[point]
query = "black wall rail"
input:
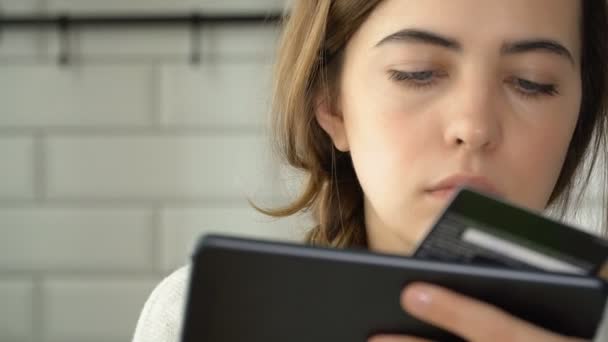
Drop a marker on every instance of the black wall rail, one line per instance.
(65, 23)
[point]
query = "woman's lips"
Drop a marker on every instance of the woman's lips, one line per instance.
(447, 187)
(443, 193)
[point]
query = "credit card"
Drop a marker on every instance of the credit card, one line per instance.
(477, 228)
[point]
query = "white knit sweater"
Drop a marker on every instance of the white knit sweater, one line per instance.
(161, 317)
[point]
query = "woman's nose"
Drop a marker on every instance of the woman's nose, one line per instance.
(473, 121)
(470, 136)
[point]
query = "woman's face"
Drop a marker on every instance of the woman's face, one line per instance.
(489, 89)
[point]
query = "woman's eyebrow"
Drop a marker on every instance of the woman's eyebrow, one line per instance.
(508, 48)
(530, 45)
(421, 36)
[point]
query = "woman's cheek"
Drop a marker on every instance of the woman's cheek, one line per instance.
(536, 160)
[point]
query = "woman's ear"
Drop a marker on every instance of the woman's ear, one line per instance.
(332, 122)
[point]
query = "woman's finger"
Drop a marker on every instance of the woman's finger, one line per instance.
(469, 318)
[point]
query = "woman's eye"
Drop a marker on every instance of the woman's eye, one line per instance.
(414, 78)
(533, 89)
(427, 78)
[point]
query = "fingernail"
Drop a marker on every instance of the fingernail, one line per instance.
(418, 299)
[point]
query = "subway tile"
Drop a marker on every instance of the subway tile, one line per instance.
(19, 45)
(74, 239)
(16, 322)
(157, 168)
(93, 309)
(75, 96)
(17, 172)
(19, 7)
(222, 94)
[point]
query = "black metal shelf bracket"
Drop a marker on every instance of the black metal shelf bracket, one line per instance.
(195, 36)
(65, 24)
(63, 29)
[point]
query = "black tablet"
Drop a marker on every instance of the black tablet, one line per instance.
(260, 291)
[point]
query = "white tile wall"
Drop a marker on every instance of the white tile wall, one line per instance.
(182, 227)
(20, 6)
(16, 314)
(20, 46)
(232, 94)
(114, 164)
(75, 239)
(208, 167)
(76, 96)
(17, 172)
(93, 308)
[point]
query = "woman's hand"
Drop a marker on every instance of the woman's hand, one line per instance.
(468, 318)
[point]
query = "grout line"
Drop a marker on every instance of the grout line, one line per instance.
(38, 308)
(48, 59)
(139, 131)
(40, 169)
(43, 36)
(39, 275)
(131, 203)
(156, 243)
(156, 95)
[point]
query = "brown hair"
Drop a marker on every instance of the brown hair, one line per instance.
(308, 64)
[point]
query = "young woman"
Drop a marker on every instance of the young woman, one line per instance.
(388, 105)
